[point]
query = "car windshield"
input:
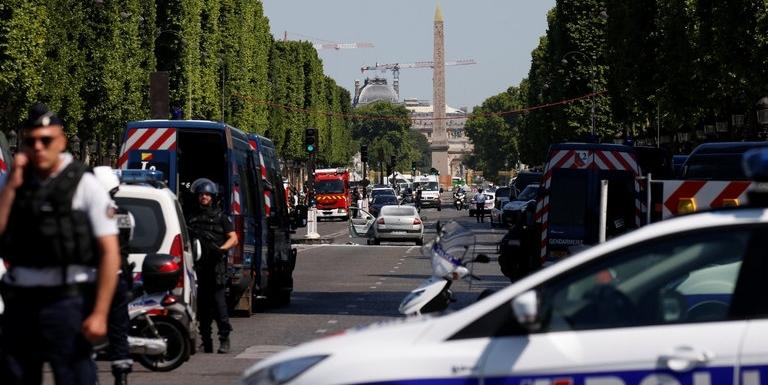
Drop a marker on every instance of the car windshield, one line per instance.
(528, 194)
(429, 186)
(329, 187)
(385, 200)
(398, 211)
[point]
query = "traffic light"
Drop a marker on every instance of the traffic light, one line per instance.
(310, 140)
(364, 153)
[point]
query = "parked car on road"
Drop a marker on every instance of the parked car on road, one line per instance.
(398, 223)
(511, 210)
(381, 201)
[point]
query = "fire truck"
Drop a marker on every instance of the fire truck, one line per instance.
(332, 195)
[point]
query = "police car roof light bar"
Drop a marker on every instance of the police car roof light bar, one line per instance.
(152, 177)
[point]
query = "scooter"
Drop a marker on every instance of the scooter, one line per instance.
(158, 337)
(460, 201)
(446, 254)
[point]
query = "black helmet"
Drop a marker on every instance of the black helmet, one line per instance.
(204, 185)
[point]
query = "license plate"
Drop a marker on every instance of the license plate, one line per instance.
(398, 232)
(327, 212)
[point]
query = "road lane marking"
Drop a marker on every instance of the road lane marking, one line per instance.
(260, 352)
(373, 287)
(378, 283)
(321, 331)
(333, 321)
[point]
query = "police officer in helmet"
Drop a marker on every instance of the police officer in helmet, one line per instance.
(217, 236)
(59, 239)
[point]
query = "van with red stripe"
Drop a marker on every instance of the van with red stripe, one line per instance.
(569, 200)
(185, 150)
(712, 177)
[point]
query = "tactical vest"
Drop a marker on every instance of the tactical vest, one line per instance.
(206, 224)
(44, 230)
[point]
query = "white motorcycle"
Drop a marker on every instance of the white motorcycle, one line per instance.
(447, 253)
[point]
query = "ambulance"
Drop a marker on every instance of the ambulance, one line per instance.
(678, 302)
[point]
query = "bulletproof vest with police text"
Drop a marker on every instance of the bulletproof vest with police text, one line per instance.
(43, 229)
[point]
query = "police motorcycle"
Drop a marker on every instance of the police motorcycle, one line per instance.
(157, 338)
(446, 253)
(460, 199)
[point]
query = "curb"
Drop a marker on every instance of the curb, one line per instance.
(311, 241)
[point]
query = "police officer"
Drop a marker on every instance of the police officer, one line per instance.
(418, 198)
(60, 243)
(216, 234)
(480, 205)
(118, 351)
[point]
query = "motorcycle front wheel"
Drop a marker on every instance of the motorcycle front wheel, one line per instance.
(178, 347)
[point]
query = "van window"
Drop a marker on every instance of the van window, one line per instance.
(714, 167)
(567, 197)
(191, 165)
(246, 181)
(149, 231)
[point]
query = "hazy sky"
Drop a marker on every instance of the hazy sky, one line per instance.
(498, 34)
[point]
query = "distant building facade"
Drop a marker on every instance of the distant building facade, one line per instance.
(377, 89)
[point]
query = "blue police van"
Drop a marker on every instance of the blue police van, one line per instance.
(261, 266)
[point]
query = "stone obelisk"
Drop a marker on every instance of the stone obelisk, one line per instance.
(439, 144)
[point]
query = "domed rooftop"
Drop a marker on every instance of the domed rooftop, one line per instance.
(376, 90)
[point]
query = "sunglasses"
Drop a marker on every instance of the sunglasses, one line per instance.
(30, 141)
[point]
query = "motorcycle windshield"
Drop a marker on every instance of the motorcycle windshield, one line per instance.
(448, 250)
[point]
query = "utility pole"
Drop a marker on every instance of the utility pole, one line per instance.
(310, 145)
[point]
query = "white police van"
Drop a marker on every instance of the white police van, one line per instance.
(679, 302)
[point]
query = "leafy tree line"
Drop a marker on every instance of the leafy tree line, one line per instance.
(662, 67)
(91, 61)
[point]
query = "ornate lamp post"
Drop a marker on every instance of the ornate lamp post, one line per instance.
(762, 116)
(13, 141)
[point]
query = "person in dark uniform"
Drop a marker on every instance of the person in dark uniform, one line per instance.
(118, 350)
(59, 239)
(217, 236)
(418, 199)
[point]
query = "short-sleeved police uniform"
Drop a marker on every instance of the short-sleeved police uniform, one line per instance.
(45, 306)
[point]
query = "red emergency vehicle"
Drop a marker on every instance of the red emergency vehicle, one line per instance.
(332, 195)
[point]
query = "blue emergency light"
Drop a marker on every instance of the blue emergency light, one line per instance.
(755, 164)
(140, 176)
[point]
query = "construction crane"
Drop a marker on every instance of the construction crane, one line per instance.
(396, 67)
(326, 44)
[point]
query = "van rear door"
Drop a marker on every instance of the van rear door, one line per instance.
(150, 149)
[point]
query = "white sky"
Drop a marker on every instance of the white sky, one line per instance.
(498, 34)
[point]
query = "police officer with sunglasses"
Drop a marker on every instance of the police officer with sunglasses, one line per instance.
(59, 238)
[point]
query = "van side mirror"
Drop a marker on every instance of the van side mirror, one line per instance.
(526, 309)
(481, 258)
(441, 190)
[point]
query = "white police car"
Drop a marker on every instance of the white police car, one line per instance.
(678, 302)
(160, 226)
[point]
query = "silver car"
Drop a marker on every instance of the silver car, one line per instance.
(398, 223)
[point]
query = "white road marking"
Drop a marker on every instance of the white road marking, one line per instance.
(333, 321)
(396, 267)
(373, 287)
(260, 352)
(391, 271)
(411, 249)
(378, 283)
(321, 331)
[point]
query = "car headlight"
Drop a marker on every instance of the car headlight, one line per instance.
(282, 372)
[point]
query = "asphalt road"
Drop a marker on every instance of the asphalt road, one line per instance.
(337, 286)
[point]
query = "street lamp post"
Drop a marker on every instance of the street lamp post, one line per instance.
(189, 82)
(762, 116)
(592, 82)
